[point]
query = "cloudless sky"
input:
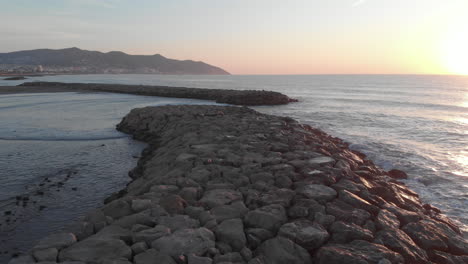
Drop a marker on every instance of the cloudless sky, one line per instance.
(254, 36)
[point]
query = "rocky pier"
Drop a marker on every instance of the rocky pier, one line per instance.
(223, 184)
(234, 97)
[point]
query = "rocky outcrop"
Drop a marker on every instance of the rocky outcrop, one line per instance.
(234, 97)
(231, 185)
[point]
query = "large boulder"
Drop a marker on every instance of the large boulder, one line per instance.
(307, 234)
(152, 256)
(96, 250)
(398, 241)
(232, 232)
(344, 232)
(149, 235)
(218, 197)
(280, 250)
(270, 217)
(58, 241)
(386, 219)
(357, 252)
(317, 192)
(185, 241)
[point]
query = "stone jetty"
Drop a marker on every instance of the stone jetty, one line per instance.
(234, 97)
(224, 184)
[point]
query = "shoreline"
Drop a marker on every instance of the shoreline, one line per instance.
(228, 184)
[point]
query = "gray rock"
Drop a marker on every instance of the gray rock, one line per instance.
(137, 228)
(446, 258)
(190, 194)
(177, 222)
(117, 209)
(193, 259)
(193, 211)
(234, 210)
(96, 250)
(317, 192)
(356, 252)
(270, 217)
(232, 232)
(282, 197)
(356, 201)
(24, 259)
(113, 232)
(152, 256)
(173, 204)
(49, 254)
(149, 235)
(398, 241)
(307, 234)
(185, 241)
(139, 247)
(134, 219)
(139, 205)
(232, 257)
(256, 236)
(246, 253)
(324, 219)
(114, 261)
(281, 250)
(58, 241)
(218, 197)
(320, 162)
(386, 219)
(344, 232)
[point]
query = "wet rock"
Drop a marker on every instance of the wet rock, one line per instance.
(320, 161)
(345, 212)
(185, 241)
(232, 232)
(344, 232)
(398, 241)
(305, 233)
(152, 256)
(270, 217)
(281, 250)
(218, 197)
(397, 174)
(356, 252)
(96, 250)
(317, 192)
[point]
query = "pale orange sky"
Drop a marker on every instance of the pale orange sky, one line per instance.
(255, 36)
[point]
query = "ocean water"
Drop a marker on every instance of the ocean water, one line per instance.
(415, 123)
(60, 157)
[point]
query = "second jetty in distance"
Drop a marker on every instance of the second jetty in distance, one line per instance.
(235, 97)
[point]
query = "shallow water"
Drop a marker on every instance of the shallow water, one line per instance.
(60, 156)
(415, 123)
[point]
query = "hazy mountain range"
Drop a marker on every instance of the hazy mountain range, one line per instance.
(75, 60)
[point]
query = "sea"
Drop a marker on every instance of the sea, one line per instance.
(62, 152)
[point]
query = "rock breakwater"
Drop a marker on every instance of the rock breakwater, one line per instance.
(235, 97)
(230, 185)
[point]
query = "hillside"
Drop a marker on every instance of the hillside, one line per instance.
(74, 60)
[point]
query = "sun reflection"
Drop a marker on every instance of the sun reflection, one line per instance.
(462, 160)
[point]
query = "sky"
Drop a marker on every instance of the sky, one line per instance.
(255, 36)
